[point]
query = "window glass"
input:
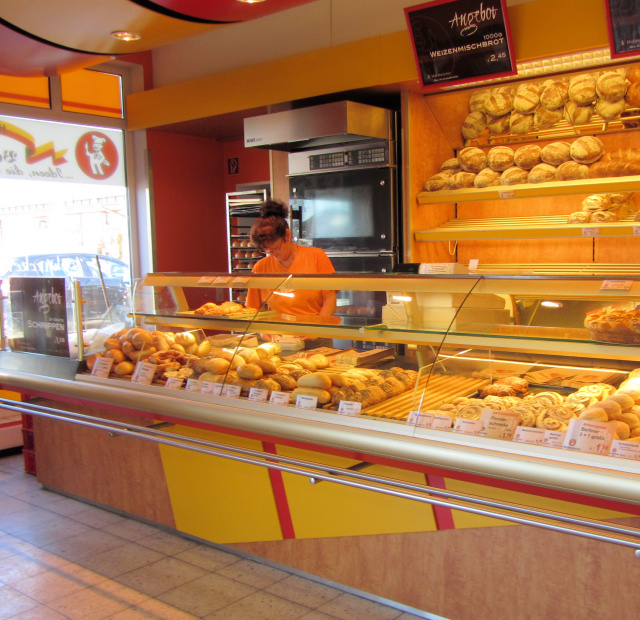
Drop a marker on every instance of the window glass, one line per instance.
(33, 92)
(92, 92)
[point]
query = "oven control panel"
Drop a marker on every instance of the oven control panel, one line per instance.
(370, 156)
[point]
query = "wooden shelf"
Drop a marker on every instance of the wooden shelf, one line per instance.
(535, 227)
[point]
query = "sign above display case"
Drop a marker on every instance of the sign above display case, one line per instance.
(623, 24)
(460, 41)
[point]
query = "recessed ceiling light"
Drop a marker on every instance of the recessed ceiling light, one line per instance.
(124, 35)
(250, 1)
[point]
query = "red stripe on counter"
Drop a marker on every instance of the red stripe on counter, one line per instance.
(280, 495)
(442, 514)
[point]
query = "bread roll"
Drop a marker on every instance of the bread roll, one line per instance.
(472, 159)
(604, 216)
(633, 95)
(473, 125)
(582, 89)
(608, 110)
(321, 361)
(576, 114)
(461, 180)
(267, 365)
(249, 371)
(556, 153)
(613, 168)
(498, 124)
(611, 86)
(596, 202)
(437, 182)
(544, 117)
(306, 363)
(477, 99)
(542, 173)
(627, 154)
(498, 104)
(323, 396)
(586, 150)
(633, 73)
(451, 165)
(617, 198)
(217, 365)
(268, 384)
(594, 414)
(487, 178)
(579, 217)
(513, 176)
(528, 156)
(520, 123)
(316, 380)
(286, 382)
(527, 99)
(500, 158)
(554, 94)
(572, 170)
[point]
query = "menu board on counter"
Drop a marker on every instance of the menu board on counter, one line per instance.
(623, 24)
(39, 316)
(461, 41)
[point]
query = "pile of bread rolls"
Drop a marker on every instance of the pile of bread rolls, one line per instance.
(602, 208)
(226, 308)
(614, 325)
(535, 106)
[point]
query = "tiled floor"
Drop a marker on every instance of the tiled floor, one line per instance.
(61, 558)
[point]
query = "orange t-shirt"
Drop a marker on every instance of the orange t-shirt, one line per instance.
(307, 260)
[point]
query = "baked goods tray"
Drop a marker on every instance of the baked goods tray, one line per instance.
(248, 315)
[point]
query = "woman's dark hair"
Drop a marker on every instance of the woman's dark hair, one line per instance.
(271, 225)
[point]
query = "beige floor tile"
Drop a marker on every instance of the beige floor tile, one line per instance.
(10, 504)
(66, 506)
(85, 544)
(13, 602)
(51, 531)
(39, 497)
(299, 590)
(253, 574)
(350, 607)
(152, 609)
(41, 612)
(56, 583)
(260, 606)
(161, 576)
(167, 543)
(21, 519)
(97, 602)
(10, 545)
(121, 559)
(131, 529)
(30, 562)
(206, 557)
(317, 615)
(96, 517)
(206, 595)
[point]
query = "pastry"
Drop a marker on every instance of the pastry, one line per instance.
(586, 150)
(528, 156)
(527, 99)
(556, 153)
(582, 89)
(469, 412)
(559, 412)
(621, 429)
(496, 389)
(599, 390)
(594, 414)
(611, 86)
(486, 178)
(473, 125)
(472, 159)
(576, 114)
(500, 158)
(513, 176)
(550, 424)
(520, 385)
(542, 173)
(547, 399)
(572, 170)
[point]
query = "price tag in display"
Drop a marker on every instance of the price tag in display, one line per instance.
(554, 439)
(441, 422)
(102, 367)
(527, 434)
(206, 280)
(193, 385)
(258, 395)
(306, 402)
(617, 285)
(232, 391)
(421, 420)
(350, 408)
(625, 450)
(468, 427)
(207, 387)
(240, 280)
(279, 398)
(506, 193)
(499, 424)
(636, 230)
(588, 436)
(222, 280)
(174, 383)
(143, 373)
(590, 231)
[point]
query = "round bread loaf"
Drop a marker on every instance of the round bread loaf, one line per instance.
(507, 89)
(586, 150)
(528, 156)
(618, 198)
(571, 171)
(477, 99)
(500, 158)
(316, 380)
(513, 176)
(576, 114)
(608, 110)
(604, 216)
(554, 94)
(460, 180)
(633, 95)
(611, 86)
(498, 124)
(544, 117)
(520, 123)
(542, 173)
(633, 73)
(579, 217)
(582, 89)
(437, 181)
(556, 153)
(596, 202)
(472, 159)
(498, 104)
(473, 125)
(487, 177)
(450, 165)
(527, 99)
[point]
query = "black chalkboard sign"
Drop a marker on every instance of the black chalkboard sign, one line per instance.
(623, 23)
(39, 312)
(460, 41)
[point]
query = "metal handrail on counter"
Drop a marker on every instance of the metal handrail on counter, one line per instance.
(555, 521)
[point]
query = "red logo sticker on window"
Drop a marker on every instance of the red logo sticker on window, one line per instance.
(97, 155)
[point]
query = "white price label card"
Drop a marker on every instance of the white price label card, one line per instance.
(554, 439)
(174, 383)
(207, 387)
(258, 395)
(349, 407)
(240, 280)
(193, 385)
(222, 280)
(102, 367)
(441, 422)
(506, 193)
(530, 435)
(625, 450)
(473, 264)
(232, 391)
(143, 373)
(306, 402)
(218, 389)
(468, 427)
(279, 398)
(636, 230)
(499, 424)
(617, 285)
(588, 436)
(421, 420)
(590, 231)
(206, 280)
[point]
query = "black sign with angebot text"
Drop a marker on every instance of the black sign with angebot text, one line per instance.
(460, 41)
(623, 23)
(38, 306)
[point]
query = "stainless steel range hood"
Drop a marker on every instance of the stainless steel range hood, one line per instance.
(341, 122)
